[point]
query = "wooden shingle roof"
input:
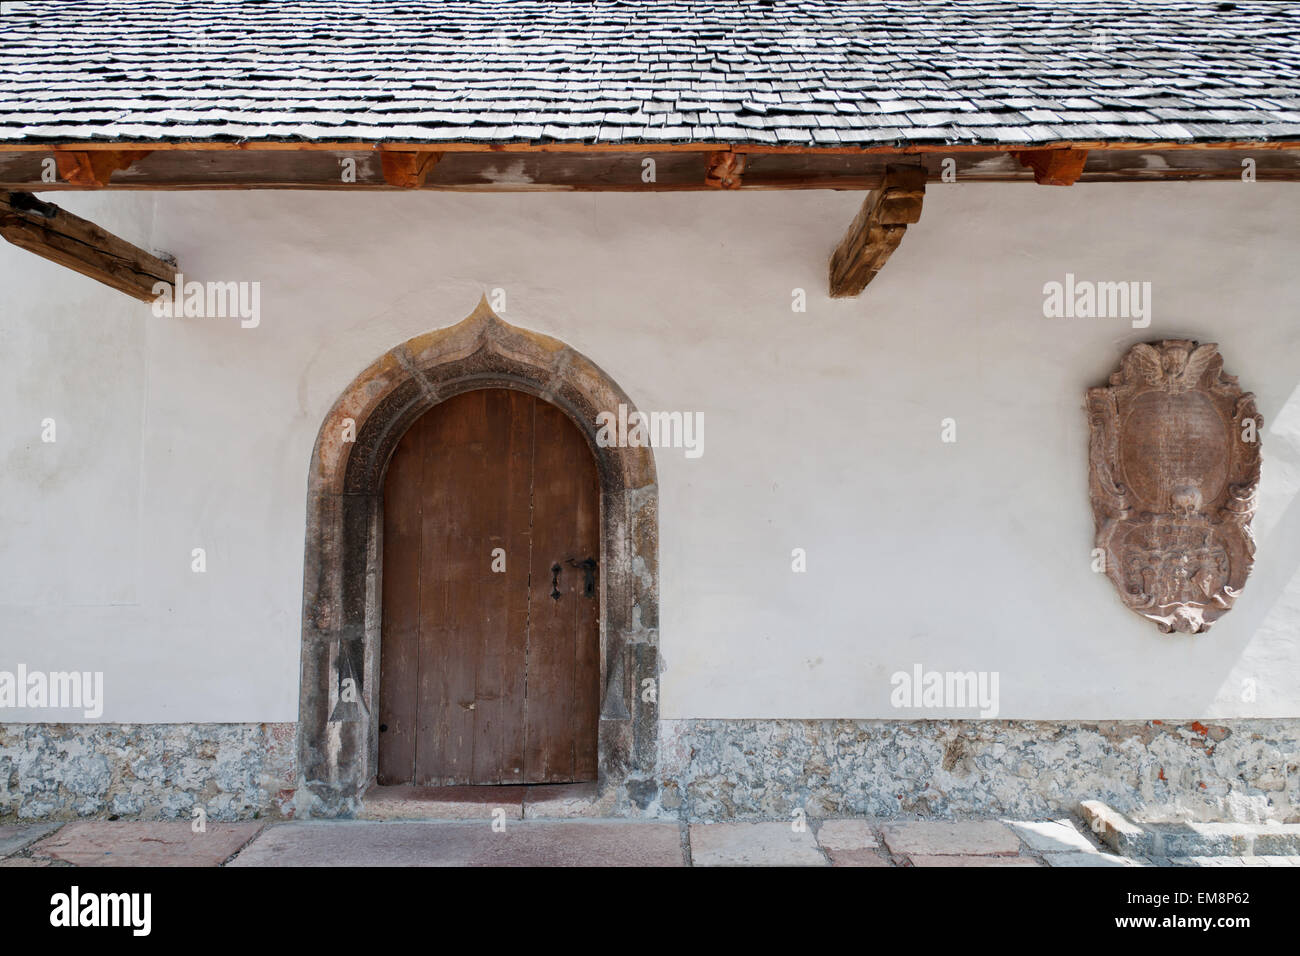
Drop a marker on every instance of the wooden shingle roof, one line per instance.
(817, 73)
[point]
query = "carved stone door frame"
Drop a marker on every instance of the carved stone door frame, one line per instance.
(338, 700)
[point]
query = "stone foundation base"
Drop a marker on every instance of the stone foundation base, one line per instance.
(146, 771)
(1235, 770)
(1244, 771)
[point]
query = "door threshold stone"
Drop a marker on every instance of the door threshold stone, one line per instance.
(568, 800)
(534, 802)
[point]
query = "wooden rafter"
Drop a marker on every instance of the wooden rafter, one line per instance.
(724, 170)
(407, 170)
(1054, 167)
(94, 168)
(877, 230)
(58, 235)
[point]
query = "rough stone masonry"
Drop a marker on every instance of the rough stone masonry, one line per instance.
(1245, 771)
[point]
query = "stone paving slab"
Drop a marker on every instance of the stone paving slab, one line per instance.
(931, 860)
(1233, 861)
(941, 838)
(603, 842)
(1094, 858)
(465, 843)
(753, 844)
(163, 843)
(1052, 836)
(858, 858)
(847, 835)
(13, 838)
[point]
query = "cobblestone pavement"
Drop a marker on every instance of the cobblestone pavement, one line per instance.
(597, 842)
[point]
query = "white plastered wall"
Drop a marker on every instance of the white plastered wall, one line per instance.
(822, 432)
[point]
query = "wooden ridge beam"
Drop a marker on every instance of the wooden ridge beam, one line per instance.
(55, 234)
(1054, 167)
(877, 230)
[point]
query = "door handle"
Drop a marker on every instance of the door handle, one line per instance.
(588, 575)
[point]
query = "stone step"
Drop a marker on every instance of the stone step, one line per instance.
(1185, 840)
(540, 802)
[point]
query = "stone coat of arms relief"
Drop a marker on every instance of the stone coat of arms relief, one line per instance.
(1174, 469)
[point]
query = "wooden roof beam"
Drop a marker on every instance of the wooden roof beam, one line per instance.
(517, 146)
(877, 230)
(33, 171)
(55, 234)
(1054, 167)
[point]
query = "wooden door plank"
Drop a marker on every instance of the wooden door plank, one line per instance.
(401, 612)
(551, 617)
(502, 521)
(586, 633)
(564, 483)
(448, 646)
(518, 557)
(483, 506)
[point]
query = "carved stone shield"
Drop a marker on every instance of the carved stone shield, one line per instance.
(1174, 462)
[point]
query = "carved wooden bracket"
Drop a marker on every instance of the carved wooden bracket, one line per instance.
(94, 167)
(1174, 468)
(877, 230)
(724, 170)
(1054, 167)
(407, 169)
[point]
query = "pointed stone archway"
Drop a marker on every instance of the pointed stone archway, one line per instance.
(338, 700)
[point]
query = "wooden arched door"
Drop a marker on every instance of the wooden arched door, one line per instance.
(490, 649)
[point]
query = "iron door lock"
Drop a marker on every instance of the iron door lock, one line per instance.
(588, 566)
(588, 575)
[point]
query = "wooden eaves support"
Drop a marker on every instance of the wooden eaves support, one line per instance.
(82, 246)
(1054, 167)
(407, 169)
(497, 167)
(895, 200)
(877, 230)
(896, 204)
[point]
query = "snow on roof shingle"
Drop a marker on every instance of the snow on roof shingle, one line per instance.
(798, 72)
